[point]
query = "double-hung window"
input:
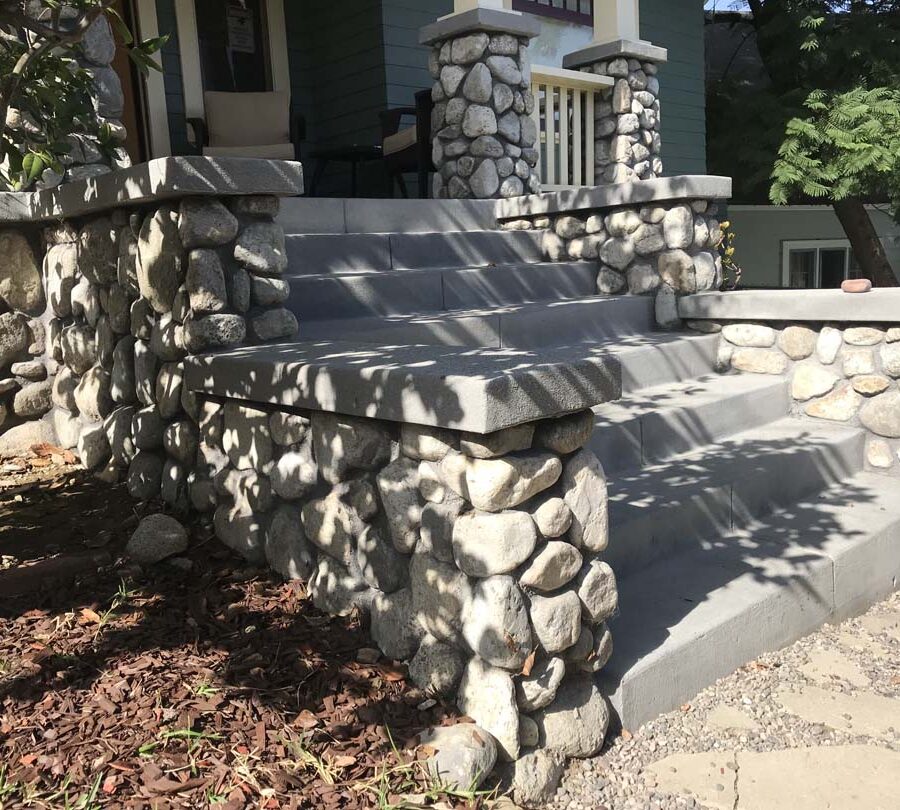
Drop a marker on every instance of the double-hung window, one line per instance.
(817, 263)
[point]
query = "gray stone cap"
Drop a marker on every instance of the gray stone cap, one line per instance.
(603, 51)
(639, 192)
(877, 306)
(479, 390)
(492, 20)
(160, 179)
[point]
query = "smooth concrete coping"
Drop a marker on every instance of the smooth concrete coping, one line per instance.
(613, 195)
(478, 390)
(492, 20)
(877, 306)
(603, 51)
(159, 179)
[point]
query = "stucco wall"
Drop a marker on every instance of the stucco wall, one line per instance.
(761, 230)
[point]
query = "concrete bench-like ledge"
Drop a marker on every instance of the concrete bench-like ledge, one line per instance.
(478, 390)
(160, 179)
(640, 192)
(877, 306)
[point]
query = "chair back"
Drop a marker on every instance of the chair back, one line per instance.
(248, 119)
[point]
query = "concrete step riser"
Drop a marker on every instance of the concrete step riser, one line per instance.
(669, 362)
(567, 323)
(640, 537)
(413, 291)
(662, 434)
(304, 215)
(354, 252)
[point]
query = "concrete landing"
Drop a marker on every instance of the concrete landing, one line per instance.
(479, 390)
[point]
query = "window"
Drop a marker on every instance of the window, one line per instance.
(233, 45)
(817, 264)
(577, 11)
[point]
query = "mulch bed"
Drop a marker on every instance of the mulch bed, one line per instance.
(199, 683)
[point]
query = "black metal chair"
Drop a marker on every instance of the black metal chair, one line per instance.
(407, 149)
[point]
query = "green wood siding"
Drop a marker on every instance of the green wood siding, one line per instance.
(405, 61)
(678, 26)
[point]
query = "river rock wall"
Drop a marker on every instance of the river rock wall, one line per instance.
(102, 312)
(477, 557)
(845, 373)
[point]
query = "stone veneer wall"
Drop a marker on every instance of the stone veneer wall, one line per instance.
(627, 122)
(483, 133)
(666, 249)
(839, 372)
(477, 556)
(105, 309)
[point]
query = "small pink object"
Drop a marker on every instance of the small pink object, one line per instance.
(856, 285)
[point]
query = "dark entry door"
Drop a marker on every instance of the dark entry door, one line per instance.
(233, 46)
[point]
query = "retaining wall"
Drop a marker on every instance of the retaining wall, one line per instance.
(660, 237)
(840, 351)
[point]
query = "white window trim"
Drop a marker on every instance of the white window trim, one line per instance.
(811, 244)
(189, 46)
(157, 111)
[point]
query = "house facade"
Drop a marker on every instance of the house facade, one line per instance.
(343, 63)
(346, 61)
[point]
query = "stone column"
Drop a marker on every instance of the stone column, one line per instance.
(483, 135)
(628, 142)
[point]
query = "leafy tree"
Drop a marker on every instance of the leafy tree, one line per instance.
(45, 95)
(832, 66)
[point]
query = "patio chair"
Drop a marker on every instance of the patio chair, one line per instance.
(248, 125)
(407, 148)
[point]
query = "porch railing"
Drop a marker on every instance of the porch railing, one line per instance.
(564, 115)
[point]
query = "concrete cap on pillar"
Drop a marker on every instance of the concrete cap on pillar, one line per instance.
(496, 20)
(628, 48)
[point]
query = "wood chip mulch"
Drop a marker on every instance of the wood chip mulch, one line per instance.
(197, 683)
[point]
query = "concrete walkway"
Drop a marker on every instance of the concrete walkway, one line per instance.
(815, 726)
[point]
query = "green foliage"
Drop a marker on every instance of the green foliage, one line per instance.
(42, 82)
(847, 145)
(807, 47)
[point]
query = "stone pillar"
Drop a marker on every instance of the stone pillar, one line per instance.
(483, 135)
(628, 141)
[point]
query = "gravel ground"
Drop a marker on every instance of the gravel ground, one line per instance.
(858, 658)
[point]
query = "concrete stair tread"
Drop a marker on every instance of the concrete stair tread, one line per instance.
(409, 271)
(697, 616)
(591, 320)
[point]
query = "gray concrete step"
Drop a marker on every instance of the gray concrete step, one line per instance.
(698, 616)
(665, 508)
(531, 325)
(662, 421)
(402, 292)
(340, 253)
(323, 215)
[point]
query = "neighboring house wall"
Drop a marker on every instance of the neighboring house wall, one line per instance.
(761, 231)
